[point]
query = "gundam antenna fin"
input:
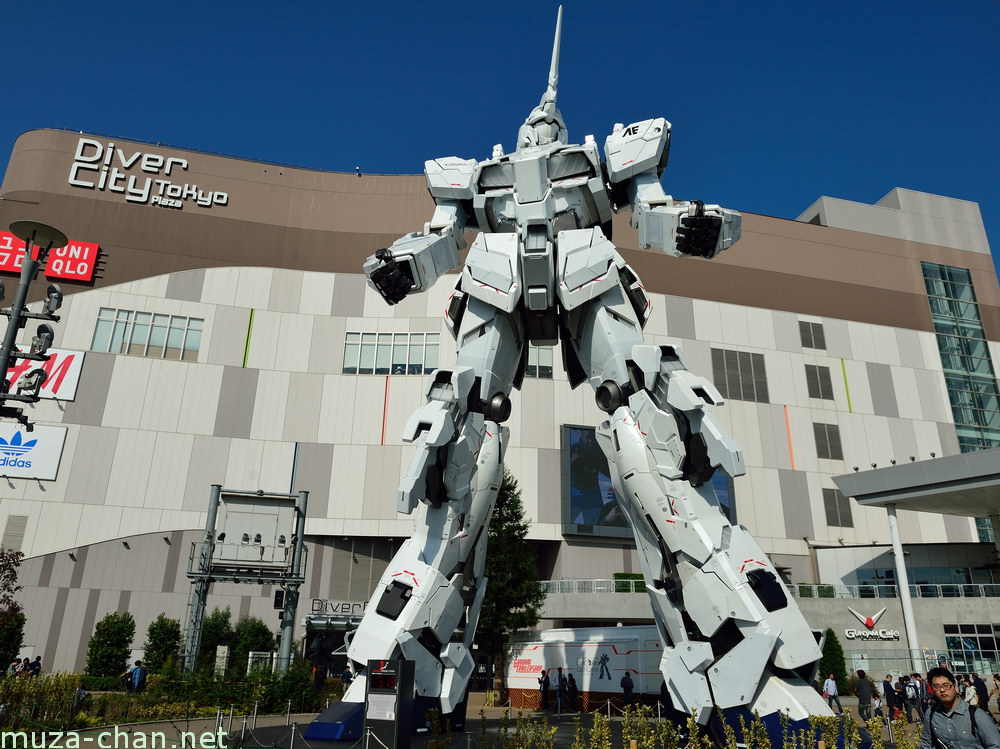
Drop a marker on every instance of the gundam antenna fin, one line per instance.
(550, 93)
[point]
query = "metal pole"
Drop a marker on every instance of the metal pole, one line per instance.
(609, 708)
(29, 267)
(292, 589)
(255, 715)
(229, 726)
(288, 712)
(291, 743)
(902, 580)
(199, 591)
(243, 730)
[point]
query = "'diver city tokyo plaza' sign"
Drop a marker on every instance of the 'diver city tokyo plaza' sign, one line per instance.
(140, 177)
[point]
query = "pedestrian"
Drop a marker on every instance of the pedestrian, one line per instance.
(25, 668)
(346, 677)
(830, 692)
(911, 692)
(877, 707)
(996, 689)
(13, 667)
(889, 693)
(36, 666)
(573, 693)
(543, 687)
(560, 689)
(953, 723)
(983, 691)
(864, 692)
(627, 687)
(971, 693)
(136, 678)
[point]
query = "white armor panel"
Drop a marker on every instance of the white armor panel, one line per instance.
(587, 266)
(640, 147)
(491, 271)
(451, 177)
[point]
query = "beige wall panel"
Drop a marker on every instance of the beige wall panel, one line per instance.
(209, 458)
(202, 387)
(347, 481)
(367, 430)
(92, 464)
(286, 290)
(164, 399)
(264, 340)
(735, 329)
(708, 321)
(316, 294)
(302, 408)
(169, 471)
(269, 405)
(253, 289)
(760, 324)
(326, 352)
(340, 399)
(127, 392)
(133, 458)
(294, 342)
(857, 381)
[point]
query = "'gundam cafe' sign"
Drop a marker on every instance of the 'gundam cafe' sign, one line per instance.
(140, 177)
(74, 262)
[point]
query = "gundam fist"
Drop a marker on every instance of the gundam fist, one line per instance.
(390, 278)
(698, 233)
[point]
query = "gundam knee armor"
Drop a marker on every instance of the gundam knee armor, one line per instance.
(427, 603)
(732, 635)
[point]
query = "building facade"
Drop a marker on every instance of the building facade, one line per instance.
(227, 336)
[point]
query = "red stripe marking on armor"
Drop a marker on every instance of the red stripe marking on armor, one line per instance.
(670, 521)
(628, 162)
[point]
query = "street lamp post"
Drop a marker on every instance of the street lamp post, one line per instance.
(45, 238)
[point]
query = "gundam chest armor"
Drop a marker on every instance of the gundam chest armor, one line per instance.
(543, 269)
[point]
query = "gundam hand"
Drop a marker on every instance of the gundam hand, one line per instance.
(391, 279)
(698, 233)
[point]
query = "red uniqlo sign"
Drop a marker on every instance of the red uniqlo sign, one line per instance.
(75, 261)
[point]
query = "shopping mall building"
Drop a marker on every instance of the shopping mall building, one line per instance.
(217, 329)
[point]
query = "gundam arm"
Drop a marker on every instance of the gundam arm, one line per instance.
(635, 158)
(414, 262)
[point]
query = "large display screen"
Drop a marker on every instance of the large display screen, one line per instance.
(590, 506)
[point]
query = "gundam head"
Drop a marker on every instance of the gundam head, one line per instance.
(545, 123)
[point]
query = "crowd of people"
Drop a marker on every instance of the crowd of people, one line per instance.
(567, 692)
(955, 712)
(26, 668)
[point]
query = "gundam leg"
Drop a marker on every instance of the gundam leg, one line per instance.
(426, 606)
(732, 635)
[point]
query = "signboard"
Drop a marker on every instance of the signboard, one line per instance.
(870, 633)
(341, 608)
(140, 177)
(597, 665)
(63, 368)
(30, 455)
(75, 262)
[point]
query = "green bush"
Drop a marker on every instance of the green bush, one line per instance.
(625, 582)
(163, 642)
(11, 636)
(110, 646)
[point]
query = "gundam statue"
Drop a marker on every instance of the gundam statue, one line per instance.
(543, 269)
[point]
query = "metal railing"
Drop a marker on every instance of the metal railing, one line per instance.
(798, 590)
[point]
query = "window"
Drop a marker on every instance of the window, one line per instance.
(122, 331)
(818, 382)
(812, 335)
(391, 353)
(539, 362)
(838, 509)
(965, 356)
(828, 441)
(740, 375)
(723, 486)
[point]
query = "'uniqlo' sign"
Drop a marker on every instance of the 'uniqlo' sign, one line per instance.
(75, 261)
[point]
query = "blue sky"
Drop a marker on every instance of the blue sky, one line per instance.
(772, 104)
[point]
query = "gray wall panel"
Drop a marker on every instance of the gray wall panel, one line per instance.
(910, 352)
(838, 339)
(932, 404)
(229, 335)
(302, 407)
(92, 392)
(949, 439)
(348, 296)
(680, 317)
(87, 627)
(45, 575)
(209, 457)
(327, 353)
(904, 439)
(124, 599)
(55, 628)
(549, 486)
(795, 504)
(312, 474)
(786, 332)
(957, 529)
(234, 416)
(286, 290)
(92, 462)
(173, 557)
(799, 566)
(317, 554)
(381, 481)
(186, 286)
(79, 566)
(882, 389)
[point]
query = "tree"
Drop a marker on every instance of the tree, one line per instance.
(216, 630)
(110, 646)
(832, 661)
(163, 642)
(513, 597)
(11, 614)
(250, 633)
